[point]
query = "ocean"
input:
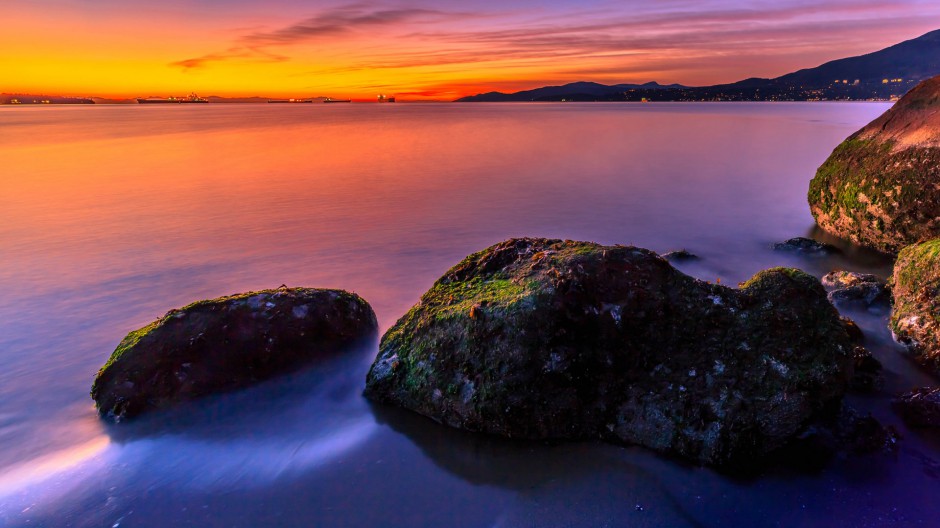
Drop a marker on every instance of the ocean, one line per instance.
(112, 215)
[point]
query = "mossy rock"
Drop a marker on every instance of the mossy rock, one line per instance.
(550, 339)
(915, 320)
(880, 188)
(223, 344)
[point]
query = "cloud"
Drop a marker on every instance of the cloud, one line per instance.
(337, 22)
(330, 24)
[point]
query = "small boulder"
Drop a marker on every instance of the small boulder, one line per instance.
(920, 407)
(680, 255)
(805, 245)
(848, 287)
(227, 343)
(542, 339)
(915, 319)
(839, 279)
(878, 187)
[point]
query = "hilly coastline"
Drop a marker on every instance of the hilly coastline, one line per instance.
(882, 75)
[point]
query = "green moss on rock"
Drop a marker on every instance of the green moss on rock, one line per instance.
(536, 338)
(223, 344)
(915, 320)
(879, 188)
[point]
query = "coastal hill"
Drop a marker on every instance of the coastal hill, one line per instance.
(884, 74)
(915, 60)
(576, 91)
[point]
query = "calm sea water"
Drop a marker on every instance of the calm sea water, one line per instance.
(110, 216)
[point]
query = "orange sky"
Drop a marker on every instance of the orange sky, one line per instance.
(426, 50)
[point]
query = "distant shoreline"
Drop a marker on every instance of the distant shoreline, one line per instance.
(34, 105)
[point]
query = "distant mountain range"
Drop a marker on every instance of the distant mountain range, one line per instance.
(884, 74)
(574, 91)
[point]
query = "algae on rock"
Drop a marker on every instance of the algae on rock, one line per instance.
(915, 320)
(880, 188)
(223, 344)
(541, 339)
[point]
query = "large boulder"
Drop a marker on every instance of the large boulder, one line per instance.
(915, 320)
(543, 339)
(223, 344)
(881, 187)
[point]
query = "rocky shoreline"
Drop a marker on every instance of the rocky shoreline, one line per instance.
(881, 189)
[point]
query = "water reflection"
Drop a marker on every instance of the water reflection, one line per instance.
(111, 216)
(248, 439)
(31, 472)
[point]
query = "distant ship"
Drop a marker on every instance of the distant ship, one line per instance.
(193, 98)
(290, 100)
(331, 100)
(386, 98)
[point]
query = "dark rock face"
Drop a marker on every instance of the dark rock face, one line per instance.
(539, 339)
(867, 372)
(852, 328)
(847, 432)
(227, 343)
(848, 287)
(915, 320)
(857, 433)
(920, 407)
(805, 245)
(878, 188)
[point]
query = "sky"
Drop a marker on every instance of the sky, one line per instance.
(423, 49)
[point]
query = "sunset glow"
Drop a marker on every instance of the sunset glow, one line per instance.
(426, 50)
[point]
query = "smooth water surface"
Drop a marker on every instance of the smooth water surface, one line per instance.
(112, 215)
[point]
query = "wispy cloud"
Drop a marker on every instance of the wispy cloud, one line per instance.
(329, 24)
